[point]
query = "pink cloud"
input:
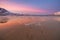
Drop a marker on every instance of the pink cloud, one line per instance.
(19, 7)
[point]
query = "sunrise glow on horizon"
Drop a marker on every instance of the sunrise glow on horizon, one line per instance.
(14, 7)
(30, 6)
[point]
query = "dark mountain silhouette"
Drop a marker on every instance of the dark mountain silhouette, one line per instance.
(4, 12)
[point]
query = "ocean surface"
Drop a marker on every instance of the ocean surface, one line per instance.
(30, 28)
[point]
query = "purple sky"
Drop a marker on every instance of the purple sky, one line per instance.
(32, 6)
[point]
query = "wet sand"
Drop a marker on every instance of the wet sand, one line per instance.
(30, 28)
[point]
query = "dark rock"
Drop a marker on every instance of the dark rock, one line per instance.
(3, 20)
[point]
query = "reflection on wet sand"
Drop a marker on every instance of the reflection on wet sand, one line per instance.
(21, 20)
(30, 28)
(57, 19)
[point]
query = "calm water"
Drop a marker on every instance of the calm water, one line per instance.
(30, 28)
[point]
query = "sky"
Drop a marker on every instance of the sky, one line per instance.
(31, 6)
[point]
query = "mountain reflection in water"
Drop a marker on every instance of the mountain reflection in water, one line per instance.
(30, 28)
